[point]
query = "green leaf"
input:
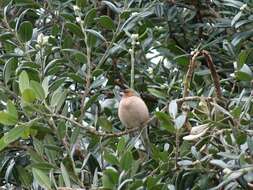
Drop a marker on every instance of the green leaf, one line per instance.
(38, 89)
(241, 138)
(110, 178)
(110, 158)
(112, 6)
(96, 33)
(45, 85)
(25, 31)
(41, 178)
(58, 98)
(157, 93)
(11, 136)
(28, 95)
(11, 109)
(121, 145)
(165, 120)
(106, 22)
(7, 118)
(245, 73)
(126, 161)
(9, 69)
(27, 3)
(105, 124)
(61, 129)
(23, 81)
(43, 166)
(89, 18)
(81, 3)
(65, 175)
(75, 29)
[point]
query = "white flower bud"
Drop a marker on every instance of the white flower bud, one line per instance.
(42, 40)
(76, 8)
(227, 171)
(243, 7)
(134, 37)
(130, 50)
(134, 13)
(150, 70)
(78, 19)
(235, 65)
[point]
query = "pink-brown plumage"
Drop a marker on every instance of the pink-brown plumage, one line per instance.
(133, 111)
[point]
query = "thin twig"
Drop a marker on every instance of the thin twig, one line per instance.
(88, 73)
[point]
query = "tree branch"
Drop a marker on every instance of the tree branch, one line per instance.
(93, 130)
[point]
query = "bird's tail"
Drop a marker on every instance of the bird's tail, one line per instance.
(145, 140)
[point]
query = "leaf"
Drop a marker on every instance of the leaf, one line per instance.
(110, 178)
(81, 3)
(179, 121)
(126, 161)
(11, 109)
(75, 29)
(28, 95)
(41, 178)
(65, 176)
(106, 22)
(245, 73)
(96, 33)
(110, 158)
(157, 93)
(11, 136)
(221, 109)
(121, 145)
(112, 6)
(196, 135)
(105, 124)
(250, 145)
(99, 81)
(7, 118)
(58, 98)
(173, 109)
(23, 81)
(165, 121)
(236, 18)
(9, 69)
(185, 163)
(89, 18)
(25, 31)
(38, 89)
(238, 37)
(220, 163)
(45, 85)
(43, 166)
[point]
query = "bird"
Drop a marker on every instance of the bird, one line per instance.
(133, 112)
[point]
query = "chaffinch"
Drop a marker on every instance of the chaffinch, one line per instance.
(133, 112)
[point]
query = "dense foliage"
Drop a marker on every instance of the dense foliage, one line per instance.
(62, 63)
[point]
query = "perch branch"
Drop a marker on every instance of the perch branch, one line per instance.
(93, 130)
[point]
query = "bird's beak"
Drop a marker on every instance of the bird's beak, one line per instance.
(121, 93)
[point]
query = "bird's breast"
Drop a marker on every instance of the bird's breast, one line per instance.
(133, 111)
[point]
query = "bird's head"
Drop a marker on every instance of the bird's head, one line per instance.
(128, 92)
